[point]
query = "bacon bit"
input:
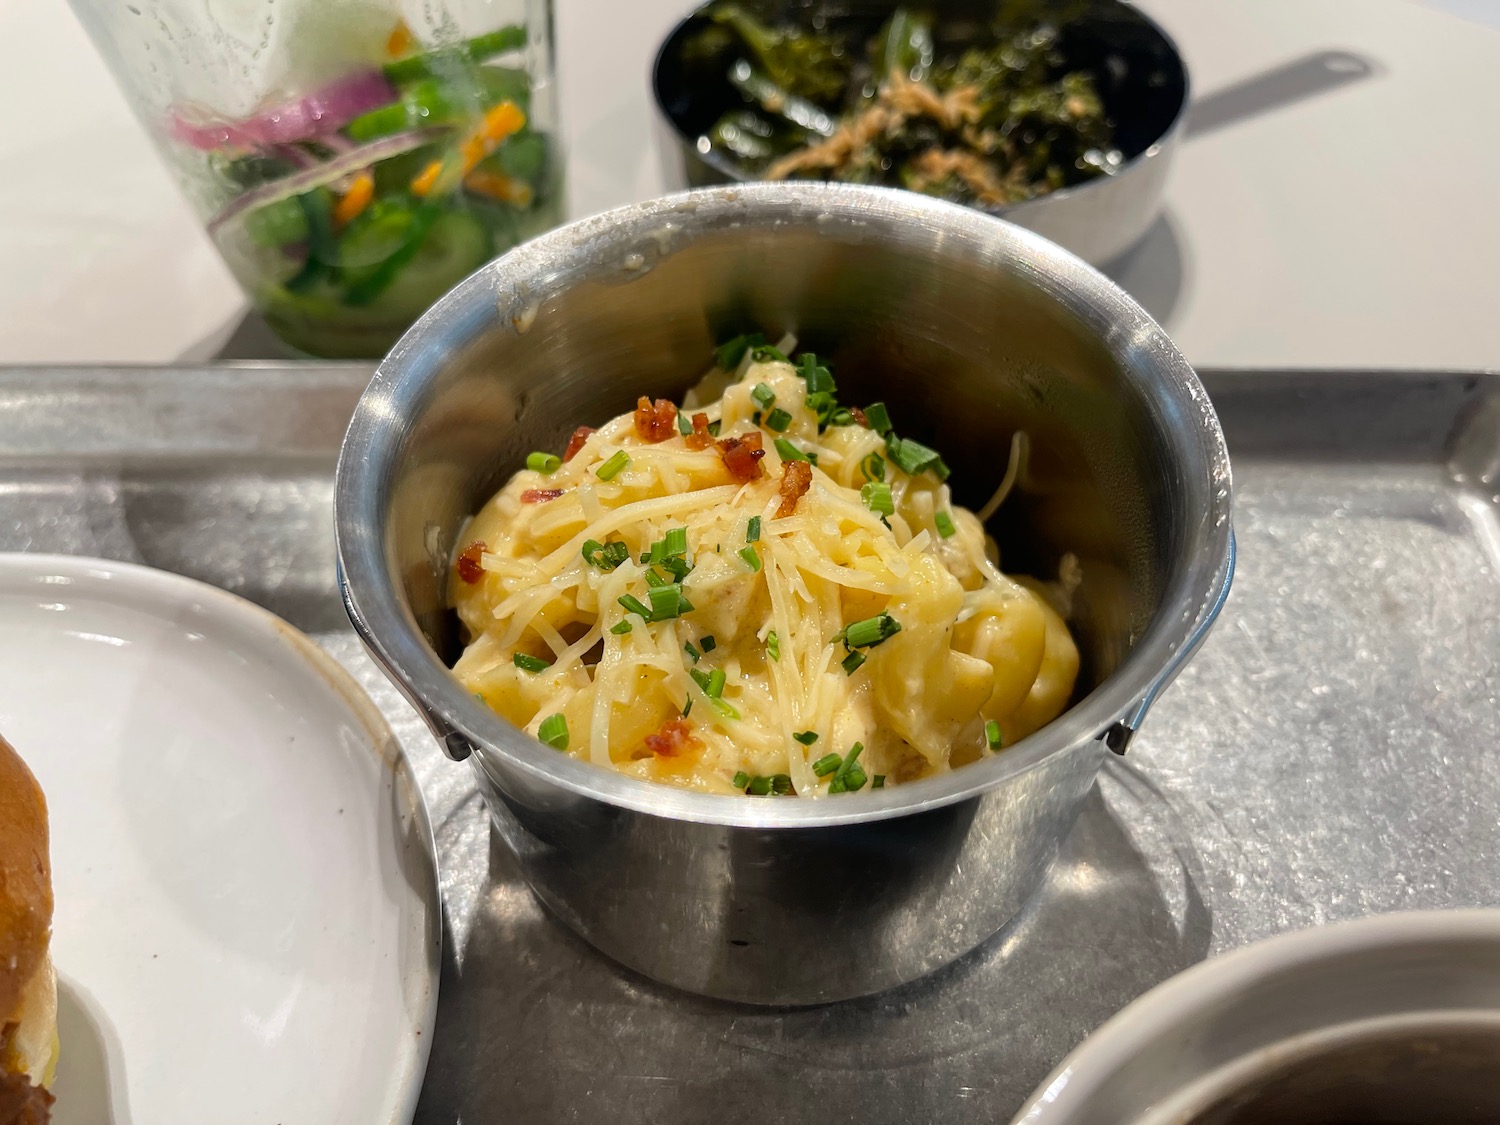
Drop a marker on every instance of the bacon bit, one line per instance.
(741, 455)
(575, 443)
(796, 479)
(540, 495)
(675, 737)
(655, 421)
(859, 416)
(468, 565)
(700, 438)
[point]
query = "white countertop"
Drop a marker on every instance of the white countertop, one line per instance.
(1355, 226)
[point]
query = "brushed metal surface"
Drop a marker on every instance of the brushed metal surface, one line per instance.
(969, 329)
(1329, 754)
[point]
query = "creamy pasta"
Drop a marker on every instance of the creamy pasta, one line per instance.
(770, 593)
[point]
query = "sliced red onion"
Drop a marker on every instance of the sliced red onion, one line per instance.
(310, 116)
(345, 164)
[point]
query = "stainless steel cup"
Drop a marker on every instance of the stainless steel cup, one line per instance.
(970, 329)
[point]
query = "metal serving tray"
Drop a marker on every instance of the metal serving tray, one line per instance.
(1334, 750)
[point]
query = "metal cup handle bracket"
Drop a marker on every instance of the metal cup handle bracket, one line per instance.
(1117, 737)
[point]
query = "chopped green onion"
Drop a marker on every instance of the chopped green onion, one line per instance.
(740, 779)
(819, 378)
(606, 556)
(877, 497)
(617, 462)
(543, 462)
(621, 627)
(759, 787)
(684, 427)
(673, 545)
(781, 784)
(763, 395)
(944, 524)
(755, 418)
(789, 452)
(654, 580)
(632, 604)
(752, 560)
(806, 737)
(992, 735)
(687, 708)
(716, 681)
(752, 529)
(666, 602)
(827, 764)
(841, 416)
(528, 663)
(765, 353)
(713, 427)
(852, 662)
(879, 420)
(871, 631)
(913, 457)
(778, 420)
(873, 467)
(678, 568)
(849, 776)
(723, 707)
(708, 643)
(879, 782)
(693, 654)
(700, 678)
(554, 731)
(773, 645)
(728, 354)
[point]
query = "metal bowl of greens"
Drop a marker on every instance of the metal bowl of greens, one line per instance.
(1061, 117)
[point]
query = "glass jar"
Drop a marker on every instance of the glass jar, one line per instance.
(352, 159)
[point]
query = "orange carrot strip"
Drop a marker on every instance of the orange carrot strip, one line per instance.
(495, 185)
(400, 42)
(355, 200)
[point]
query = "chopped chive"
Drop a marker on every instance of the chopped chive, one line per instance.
(679, 568)
(752, 560)
(759, 787)
(716, 681)
(813, 458)
(944, 524)
(778, 420)
(683, 605)
(763, 395)
(708, 643)
(852, 662)
(877, 497)
(676, 542)
(655, 581)
(617, 462)
(849, 776)
(913, 457)
(773, 645)
(700, 678)
(873, 466)
(723, 707)
(528, 663)
(765, 353)
(879, 782)
(632, 604)
(752, 529)
(806, 737)
(879, 420)
(992, 735)
(666, 601)
(841, 416)
(727, 355)
(687, 708)
(691, 651)
(789, 452)
(543, 462)
(714, 427)
(684, 427)
(827, 764)
(871, 631)
(621, 627)
(740, 780)
(605, 556)
(819, 378)
(781, 784)
(554, 731)
(755, 418)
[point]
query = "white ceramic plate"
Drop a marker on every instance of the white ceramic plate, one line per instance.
(247, 924)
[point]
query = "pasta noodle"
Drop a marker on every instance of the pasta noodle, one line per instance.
(769, 593)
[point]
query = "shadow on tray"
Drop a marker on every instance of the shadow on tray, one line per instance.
(535, 1026)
